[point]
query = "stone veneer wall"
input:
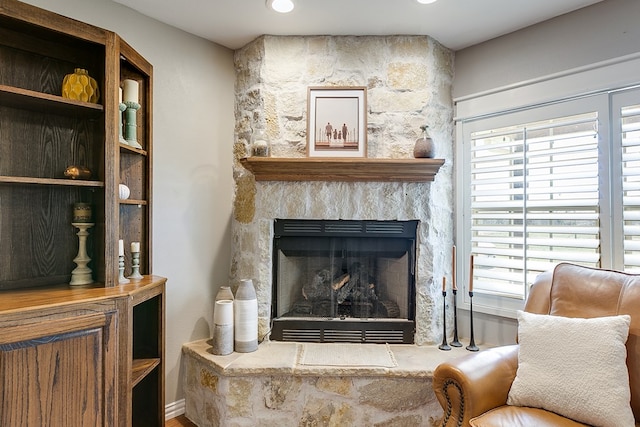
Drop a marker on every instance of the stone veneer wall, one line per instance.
(408, 80)
(268, 400)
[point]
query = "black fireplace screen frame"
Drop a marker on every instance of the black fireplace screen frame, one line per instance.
(309, 236)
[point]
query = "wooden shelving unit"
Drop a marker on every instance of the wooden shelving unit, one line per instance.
(83, 327)
(342, 169)
(111, 333)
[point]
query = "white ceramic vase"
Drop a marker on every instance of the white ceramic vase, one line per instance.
(124, 192)
(245, 308)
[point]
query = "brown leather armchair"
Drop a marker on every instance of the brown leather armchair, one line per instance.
(473, 389)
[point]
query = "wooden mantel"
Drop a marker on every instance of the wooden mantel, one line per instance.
(342, 169)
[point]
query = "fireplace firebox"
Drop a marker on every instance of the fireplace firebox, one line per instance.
(344, 281)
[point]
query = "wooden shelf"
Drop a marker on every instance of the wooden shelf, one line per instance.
(59, 296)
(342, 169)
(50, 181)
(43, 102)
(133, 202)
(141, 368)
(128, 148)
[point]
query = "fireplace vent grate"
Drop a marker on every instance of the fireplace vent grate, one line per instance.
(344, 228)
(353, 332)
(334, 335)
(301, 335)
(300, 227)
(391, 337)
(385, 227)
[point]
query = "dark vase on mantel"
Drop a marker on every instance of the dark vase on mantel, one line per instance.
(424, 145)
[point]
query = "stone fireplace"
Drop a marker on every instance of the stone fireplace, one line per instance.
(408, 80)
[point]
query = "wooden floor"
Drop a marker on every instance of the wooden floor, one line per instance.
(180, 421)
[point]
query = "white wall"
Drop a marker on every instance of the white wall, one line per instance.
(192, 189)
(600, 32)
(603, 31)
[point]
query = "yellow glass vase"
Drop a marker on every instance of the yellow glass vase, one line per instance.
(80, 86)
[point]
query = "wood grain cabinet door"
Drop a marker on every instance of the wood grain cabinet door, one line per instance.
(59, 372)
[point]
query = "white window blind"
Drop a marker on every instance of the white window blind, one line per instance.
(630, 147)
(534, 201)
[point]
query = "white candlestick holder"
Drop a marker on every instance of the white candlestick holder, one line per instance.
(81, 275)
(135, 266)
(121, 278)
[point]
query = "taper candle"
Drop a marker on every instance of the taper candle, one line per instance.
(471, 273)
(120, 95)
(120, 247)
(453, 269)
(444, 284)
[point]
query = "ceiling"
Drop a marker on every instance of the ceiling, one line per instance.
(454, 23)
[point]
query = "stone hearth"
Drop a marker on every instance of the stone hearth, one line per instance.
(269, 388)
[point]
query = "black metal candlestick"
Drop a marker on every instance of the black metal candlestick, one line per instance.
(455, 342)
(444, 345)
(472, 345)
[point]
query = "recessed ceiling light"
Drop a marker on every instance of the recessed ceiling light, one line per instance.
(426, 1)
(282, 6)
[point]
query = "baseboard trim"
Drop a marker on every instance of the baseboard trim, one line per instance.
(174, 409)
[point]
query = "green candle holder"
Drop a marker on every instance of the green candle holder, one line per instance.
(122, 107)
(130, 127)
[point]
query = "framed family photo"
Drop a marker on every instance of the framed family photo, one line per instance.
(337, 122)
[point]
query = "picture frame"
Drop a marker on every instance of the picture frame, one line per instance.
(333, 112)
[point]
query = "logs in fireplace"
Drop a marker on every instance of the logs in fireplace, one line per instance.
(344, 281)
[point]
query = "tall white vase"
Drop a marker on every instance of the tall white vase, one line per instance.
(246, 317)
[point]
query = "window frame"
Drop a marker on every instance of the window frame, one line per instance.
(618, 101)
(610, 77)
(599, 103)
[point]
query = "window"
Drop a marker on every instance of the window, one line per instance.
(534, 200)
(626, 115)
(549, 184)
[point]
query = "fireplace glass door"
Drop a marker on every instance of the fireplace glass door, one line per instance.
(349, 281)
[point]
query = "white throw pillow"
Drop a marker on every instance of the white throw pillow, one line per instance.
(574, 367)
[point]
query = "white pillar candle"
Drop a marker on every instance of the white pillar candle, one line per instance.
(130, 91)
(223, 312)
(223, 327)
(81, 212)
(120, 247)
(135, 246)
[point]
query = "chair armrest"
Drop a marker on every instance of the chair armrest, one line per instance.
(473, 384)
